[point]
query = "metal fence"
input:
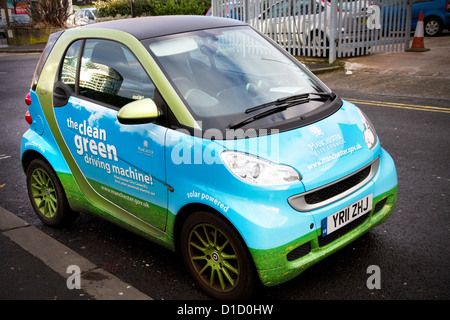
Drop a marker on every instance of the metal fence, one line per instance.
(326, 28)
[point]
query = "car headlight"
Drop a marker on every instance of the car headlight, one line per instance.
(370, 135)
(258, 171)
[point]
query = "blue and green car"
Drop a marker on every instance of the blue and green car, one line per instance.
(204, 136)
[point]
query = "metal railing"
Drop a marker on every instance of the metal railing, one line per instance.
(326, 28)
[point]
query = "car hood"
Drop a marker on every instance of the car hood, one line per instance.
(322, 152)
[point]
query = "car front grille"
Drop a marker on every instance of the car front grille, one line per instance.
(334, 191)
(337, 188)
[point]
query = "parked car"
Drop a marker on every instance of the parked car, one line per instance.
(436, 16)
(85, 16)
(289, 22)
(308, 23)
(200, 134)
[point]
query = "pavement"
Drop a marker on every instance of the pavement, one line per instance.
(34, 266)
(424, 75)
(432, 63)
(26, 48)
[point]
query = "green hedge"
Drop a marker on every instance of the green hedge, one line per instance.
(113, 8)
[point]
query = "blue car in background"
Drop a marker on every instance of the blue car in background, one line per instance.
(436, 15)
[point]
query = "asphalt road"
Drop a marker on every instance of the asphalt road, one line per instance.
(411, 249)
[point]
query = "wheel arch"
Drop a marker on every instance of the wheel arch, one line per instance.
(61, 213)
(248, 263)
(190, 209)
(29, 156)
(181, 217)
(433, 16)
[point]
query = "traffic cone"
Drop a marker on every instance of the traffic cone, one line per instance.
(417, 43)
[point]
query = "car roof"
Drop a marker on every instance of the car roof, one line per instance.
(149, 27)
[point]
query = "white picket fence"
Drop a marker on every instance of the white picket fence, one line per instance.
(326, 28)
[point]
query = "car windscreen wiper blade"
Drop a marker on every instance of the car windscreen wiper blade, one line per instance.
(281, 104)
(293, 98)
(331, 95)
(277, 108)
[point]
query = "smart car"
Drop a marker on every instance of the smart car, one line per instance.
(202, 135)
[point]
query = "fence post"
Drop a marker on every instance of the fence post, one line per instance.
(408, 24)
(214, 8)
(246, 11)
(333, 32)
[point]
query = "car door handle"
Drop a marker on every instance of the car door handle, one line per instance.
(61, 94)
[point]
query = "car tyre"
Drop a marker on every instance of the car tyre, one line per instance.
(216, 257)
(47, 195)
(432, 26)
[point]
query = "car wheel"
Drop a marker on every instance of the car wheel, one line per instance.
(433, 27)
(47, 195)
(216, 257)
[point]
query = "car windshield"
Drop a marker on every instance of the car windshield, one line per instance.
(225, 75)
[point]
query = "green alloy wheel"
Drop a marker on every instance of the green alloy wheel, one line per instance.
(216, 257)
(47, 195)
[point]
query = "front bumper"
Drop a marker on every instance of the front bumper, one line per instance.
(304, 252)
(282, 263)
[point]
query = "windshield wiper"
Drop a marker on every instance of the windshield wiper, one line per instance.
(292, 98)
(278, 108)
(281, 104)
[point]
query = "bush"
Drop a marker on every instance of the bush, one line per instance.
(50, 13)
(151, 7)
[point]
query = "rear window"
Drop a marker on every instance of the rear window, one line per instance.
(48, 48)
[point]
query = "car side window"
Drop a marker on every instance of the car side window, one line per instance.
(68, 73)
(109, 73)
(280, 9)
(308, 7)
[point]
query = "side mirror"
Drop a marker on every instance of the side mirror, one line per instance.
(138, 112)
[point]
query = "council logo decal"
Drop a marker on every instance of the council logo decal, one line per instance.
(315, 130)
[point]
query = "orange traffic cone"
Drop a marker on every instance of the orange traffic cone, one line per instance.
(417, 43)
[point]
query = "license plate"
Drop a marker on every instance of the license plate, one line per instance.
(345, 216)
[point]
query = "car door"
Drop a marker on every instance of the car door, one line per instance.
(124, 164)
